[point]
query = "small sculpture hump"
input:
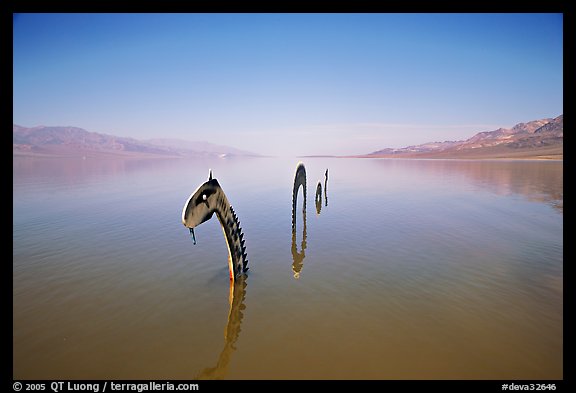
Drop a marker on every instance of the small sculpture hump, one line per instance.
(326, 187)
(318, 197)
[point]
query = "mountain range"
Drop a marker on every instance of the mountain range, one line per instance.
(74, 141)
(542, 138)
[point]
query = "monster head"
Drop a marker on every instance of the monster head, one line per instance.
(201, 205)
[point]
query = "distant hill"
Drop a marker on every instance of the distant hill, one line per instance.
(538, 138)
(74, 141)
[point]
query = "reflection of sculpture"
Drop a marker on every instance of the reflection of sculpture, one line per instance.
(208, 199)
(232, 331)
(298, 257)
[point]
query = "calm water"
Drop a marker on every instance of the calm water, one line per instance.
(409, 269)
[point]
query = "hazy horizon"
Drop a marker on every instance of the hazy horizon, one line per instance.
(288, 84)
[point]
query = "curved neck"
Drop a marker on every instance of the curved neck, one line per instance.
(237, 262)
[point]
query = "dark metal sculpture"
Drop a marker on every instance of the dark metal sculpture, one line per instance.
(208, 199)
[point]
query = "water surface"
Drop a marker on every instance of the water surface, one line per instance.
(406, 269)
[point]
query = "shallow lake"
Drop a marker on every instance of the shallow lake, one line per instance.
(405, 269)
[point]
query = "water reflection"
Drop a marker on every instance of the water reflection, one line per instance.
(298, 257)
(467, 256)
(537, 181)
(232, 331)
(76, 171)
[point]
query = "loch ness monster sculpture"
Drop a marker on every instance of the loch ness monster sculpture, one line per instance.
(209, 198)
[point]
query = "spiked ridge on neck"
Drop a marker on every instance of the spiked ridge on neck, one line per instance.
(235, 241)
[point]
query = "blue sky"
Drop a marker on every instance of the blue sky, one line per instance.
(288, 84)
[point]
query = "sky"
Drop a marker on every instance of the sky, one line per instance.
(288, 84)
